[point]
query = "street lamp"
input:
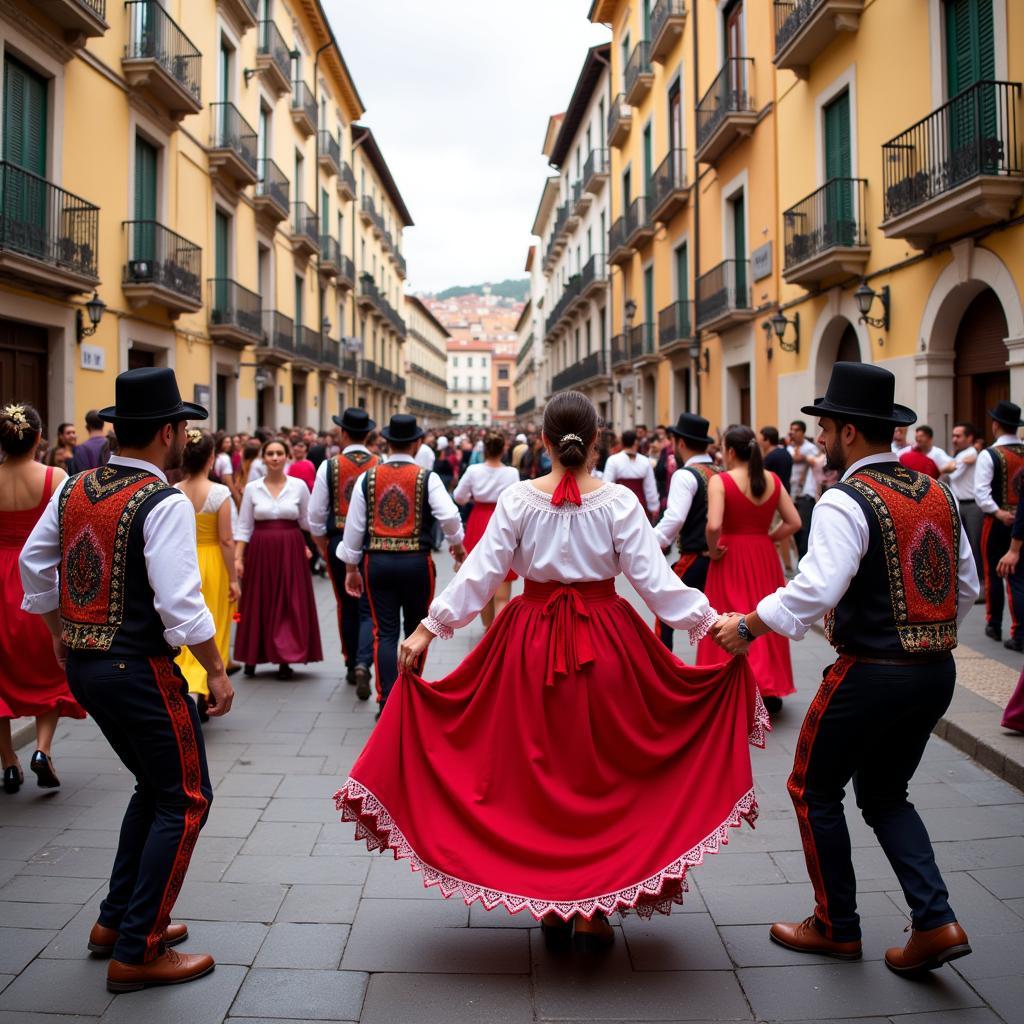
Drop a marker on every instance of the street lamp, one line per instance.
(630, 310)
(865, 296)
(701, 360)
(779, 323)
(95, 308)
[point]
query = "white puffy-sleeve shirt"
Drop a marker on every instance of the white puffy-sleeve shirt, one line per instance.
(259, 504)
(484, 483)
(626, 466)
(608, 534)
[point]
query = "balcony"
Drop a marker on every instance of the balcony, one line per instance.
(330, 256)
(618, 249)
(236, 314)
(305, 231)
(669, 186)
(233, 147)
(346, 182)
(48, 237)
(581, 199)
(273, 193)
(957, 168)
(723, 296)
(620, 121)
(161, 269)
(368, 297)
(307, 344)
(400, 264)
(668, 19)
(562, 230)
(803, 28)
(825, 234)
(675, 327)
(328, 152)
(639, 75)
(392, 316)
(160, 61)
(274, 58)
(245, 12)
(643, 345)
(595, 171)
(594, 277)
(525, 350)
(589, 370)
(639, 226)
(331, 353)
(277, 344)
(726, 111)
(382, 377)
(367, 211)
(346, 276)
(620, 352)
(80, 19)
(524, 408)
(561, 308)
(304, 112)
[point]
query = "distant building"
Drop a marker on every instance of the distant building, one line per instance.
(426, 367)
(469, 381)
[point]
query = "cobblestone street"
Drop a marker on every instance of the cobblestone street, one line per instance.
(306, 925)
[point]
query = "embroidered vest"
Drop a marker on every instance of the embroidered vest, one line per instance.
(693, 534)
(1007, 470)
(903, 599)
(106, 602)
(342, 472)
(398, 516)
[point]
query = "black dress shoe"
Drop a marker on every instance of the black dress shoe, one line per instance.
(993, 633)
(1014, 644)
(362, 679)
(13, 778)
(232, 669)
(557, 935)
(773, 705)
(250, 671)
(285, 672)
(350, 677)
(43, 767)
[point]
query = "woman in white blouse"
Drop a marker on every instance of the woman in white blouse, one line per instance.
(482, 484)
(571, 766)
(278, 621)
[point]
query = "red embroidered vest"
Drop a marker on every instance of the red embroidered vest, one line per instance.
(342, 472)
(397, 513)
(903, 599)
(1007, 474)
(693, 533)
(106, 602)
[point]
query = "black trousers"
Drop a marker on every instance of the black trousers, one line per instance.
(692, 569)
(805, 507)
(143, 709)
(995, 542)
(355, 624)
(400, 587)
(869, 723)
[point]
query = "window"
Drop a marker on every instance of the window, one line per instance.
(469, 362)
(484, 383)
(502, 399)
(469, 404)
(455, 383)
(455, 362)
(502, 373)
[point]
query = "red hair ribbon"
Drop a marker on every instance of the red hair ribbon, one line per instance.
(567, 490)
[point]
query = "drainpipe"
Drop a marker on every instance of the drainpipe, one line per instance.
(359, 270)
(696, 206)
(316, 100)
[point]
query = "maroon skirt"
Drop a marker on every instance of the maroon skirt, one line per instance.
(476, 526)
(277, 612)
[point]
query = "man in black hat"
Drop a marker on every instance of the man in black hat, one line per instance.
(388, 531)
(891, 569)
(998, 473)
(112, 567)
(686, 515)
(328, 507)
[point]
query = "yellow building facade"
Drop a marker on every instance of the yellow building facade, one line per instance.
(426, 369)
(199, 166)
(787, 159)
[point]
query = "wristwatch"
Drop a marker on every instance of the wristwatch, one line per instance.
(744, 630)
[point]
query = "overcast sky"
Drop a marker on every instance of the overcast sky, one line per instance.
(458, 93)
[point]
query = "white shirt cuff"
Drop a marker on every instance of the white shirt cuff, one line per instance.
(37, 604)
(456, 538)
(195, 631)
(438, 628)
(349, 555)
(779, 619)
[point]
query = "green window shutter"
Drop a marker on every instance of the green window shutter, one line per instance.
(221, 243)
(648, 169)
(740, 251)
(682, 273)
(970, 44)
(649, 296)
(325, 212)
(145, 200)
(25, 97)
(840, 226)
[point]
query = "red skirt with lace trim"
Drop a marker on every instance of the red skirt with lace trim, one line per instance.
(476, 527)
(570, 764)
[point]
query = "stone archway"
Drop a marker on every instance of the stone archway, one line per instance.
(838, 341)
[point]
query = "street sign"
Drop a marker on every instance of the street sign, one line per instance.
(761, 261)
(93, 357)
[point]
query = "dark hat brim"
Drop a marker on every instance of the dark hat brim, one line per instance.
(339, 421)
(901, 416)
(1002, 419)
(689, 437)
(386, 434)
(184, 411)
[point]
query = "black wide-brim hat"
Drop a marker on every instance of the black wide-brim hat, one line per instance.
(150, 395)
(355, 421)
(1007, 413)
(862, 391)
(402, 429)
(691, 427)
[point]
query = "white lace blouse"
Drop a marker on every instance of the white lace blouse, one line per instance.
(608, 534)
(484, 483)
(259, 504)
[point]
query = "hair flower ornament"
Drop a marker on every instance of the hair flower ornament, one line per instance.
(19, 421)
(194, 436)
(570, 437)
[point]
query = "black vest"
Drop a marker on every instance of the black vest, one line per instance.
(106, 602)
(1007, 472)
(693, 534)
(342, 472)
(903, 599)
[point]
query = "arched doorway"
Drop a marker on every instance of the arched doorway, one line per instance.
(982, 377)
(848, 350)
(839, 343)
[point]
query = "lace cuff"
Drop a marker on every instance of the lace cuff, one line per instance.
(698, 632)
(438, 628)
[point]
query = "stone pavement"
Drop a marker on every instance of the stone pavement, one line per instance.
(306, 925)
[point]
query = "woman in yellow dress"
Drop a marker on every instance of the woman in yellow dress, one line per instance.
(214, 533)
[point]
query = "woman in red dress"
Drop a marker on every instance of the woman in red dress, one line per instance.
(744, 562)
(571, 766)
(31, 681)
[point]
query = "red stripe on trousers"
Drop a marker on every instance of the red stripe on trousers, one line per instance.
(376, 630)
(986, 532)
(169, 684)
(797, 783)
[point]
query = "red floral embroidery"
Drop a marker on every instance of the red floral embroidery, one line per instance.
(342, 473)
(395, 495)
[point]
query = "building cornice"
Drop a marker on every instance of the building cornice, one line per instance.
(25, 24)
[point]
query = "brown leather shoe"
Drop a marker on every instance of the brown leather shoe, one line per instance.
(170, 968)
(806, 937)
(102, 940)
(928, 949)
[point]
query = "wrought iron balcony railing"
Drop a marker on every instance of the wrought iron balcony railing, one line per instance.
(98, 7)
(346, 269)
(589, 367)
(329, 148)
(620, 117)
(278, 331)
(346, 179)
(304, 102)
(46, 223)
(274, 185)
(831, 216)
(307, 343)
(235, 306)
(161, 257)
(596, 165)
(661, 13)
(722, 290)
(639, 63)
(154, 35)
(232, 131)
(272, 45)
(305, 224)
(523, 408)
(669, 177)
(400, 263)
(594, 270)
(675, 323)
(330, 250)
(729, 94)
(620, 351)
(976, 133)
(642, 342)
(525, 349)
(638, 220)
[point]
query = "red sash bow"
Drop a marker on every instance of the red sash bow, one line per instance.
(567, 490)
(571, 644)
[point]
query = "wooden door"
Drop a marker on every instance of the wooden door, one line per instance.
(739, 251)
(982, 377)
(23, 358)
(675, 132)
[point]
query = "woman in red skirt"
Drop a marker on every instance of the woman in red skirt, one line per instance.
(278, 621)
(571, 766)
(482, 484)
